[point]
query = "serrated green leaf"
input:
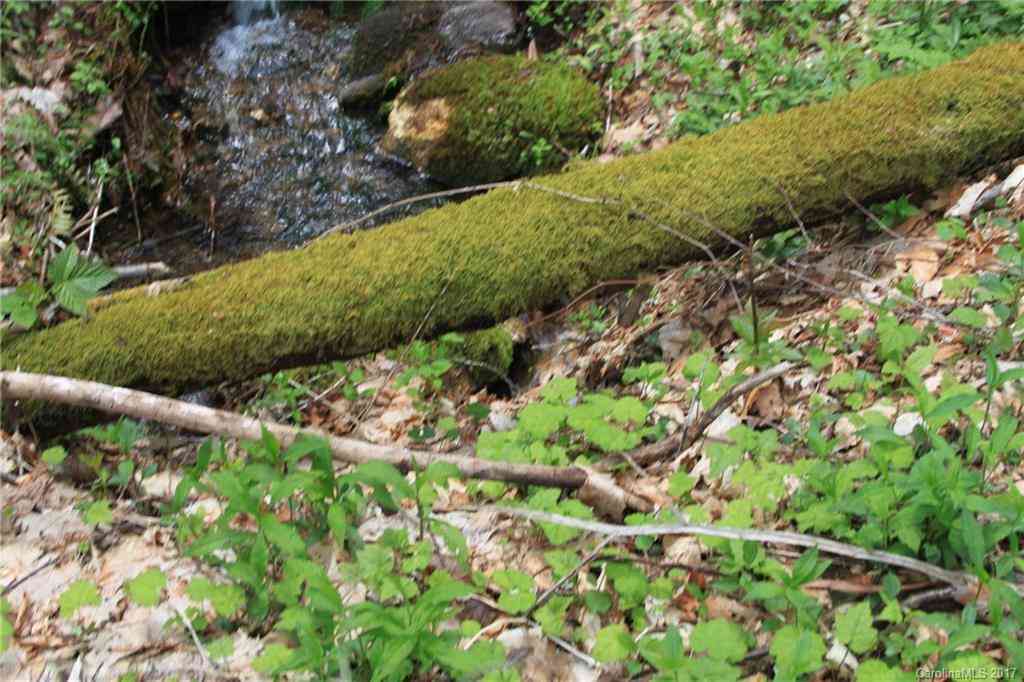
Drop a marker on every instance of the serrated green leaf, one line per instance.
(145, 588)
(613, 643)
(721, 639)
(282, 535)
(680, 484)
(98, 512)
(969, 316)
(516, 591)
(797, 652)
(273, 659)
(75, 279)
(79, 593)
(855, 628)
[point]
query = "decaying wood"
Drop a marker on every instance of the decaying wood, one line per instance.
(141, 405)
(966, 587)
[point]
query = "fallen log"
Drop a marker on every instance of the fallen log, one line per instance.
(521, 248)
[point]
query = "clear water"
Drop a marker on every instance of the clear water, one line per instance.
(245, 11)
(272, 149)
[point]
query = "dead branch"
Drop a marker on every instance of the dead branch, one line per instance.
(689, 434)
(967, 587)
(142, 405)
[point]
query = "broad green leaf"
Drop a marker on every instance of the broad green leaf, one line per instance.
(613, 643)
(145, 588)
(540, 420)
(74, 279)
(721, 639)
(597, 602)
(973, 536)
(877, 671)
(273, 659)
(226, 599)
(947, 407)
(969, 316)
(629, 409)
(98, 512)
(6, 627)
(796, 652)
(680, 484)
(222, 647)
(54, 456)
(282, 535)
(516, 591)
(559, 391)
(551, 615)
(79, 593)
(854, 627)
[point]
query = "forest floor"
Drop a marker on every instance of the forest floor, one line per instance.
(871, 308)
(137, 552)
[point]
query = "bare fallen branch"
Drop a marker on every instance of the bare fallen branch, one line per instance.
(967, 587)
(142, 405)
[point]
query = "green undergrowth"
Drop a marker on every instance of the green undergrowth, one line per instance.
(846, 466)
(78, 132)
(510, 117)
(711, 64)
(519, 249)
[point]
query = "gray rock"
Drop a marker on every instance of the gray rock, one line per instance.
(490, 26)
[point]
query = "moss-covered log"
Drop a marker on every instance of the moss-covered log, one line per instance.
(514, 250)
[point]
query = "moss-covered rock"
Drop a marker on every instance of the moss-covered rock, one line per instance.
(493, 118)
(467, 265)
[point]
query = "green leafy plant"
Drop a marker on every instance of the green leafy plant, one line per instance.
(74, 279)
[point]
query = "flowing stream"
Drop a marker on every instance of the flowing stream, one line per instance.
(275, 160)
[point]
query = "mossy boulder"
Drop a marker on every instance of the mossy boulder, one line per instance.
(493, 118)
(520, 248)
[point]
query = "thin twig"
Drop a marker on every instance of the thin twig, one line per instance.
(347, 226)
(550, 592)
(95, 213)
(135, 206)
(15, 584)
(688, 434)
(195, 637)
(513, 389)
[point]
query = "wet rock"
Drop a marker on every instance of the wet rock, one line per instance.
(493, 118)
(485, 26)
(362, 91)
(396, 38)
(406, 38)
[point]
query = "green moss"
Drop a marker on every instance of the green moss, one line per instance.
(510, 116)
(508, 251)
(492, 351)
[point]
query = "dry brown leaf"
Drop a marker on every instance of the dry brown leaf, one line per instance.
(768, 401)
(921, 261)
